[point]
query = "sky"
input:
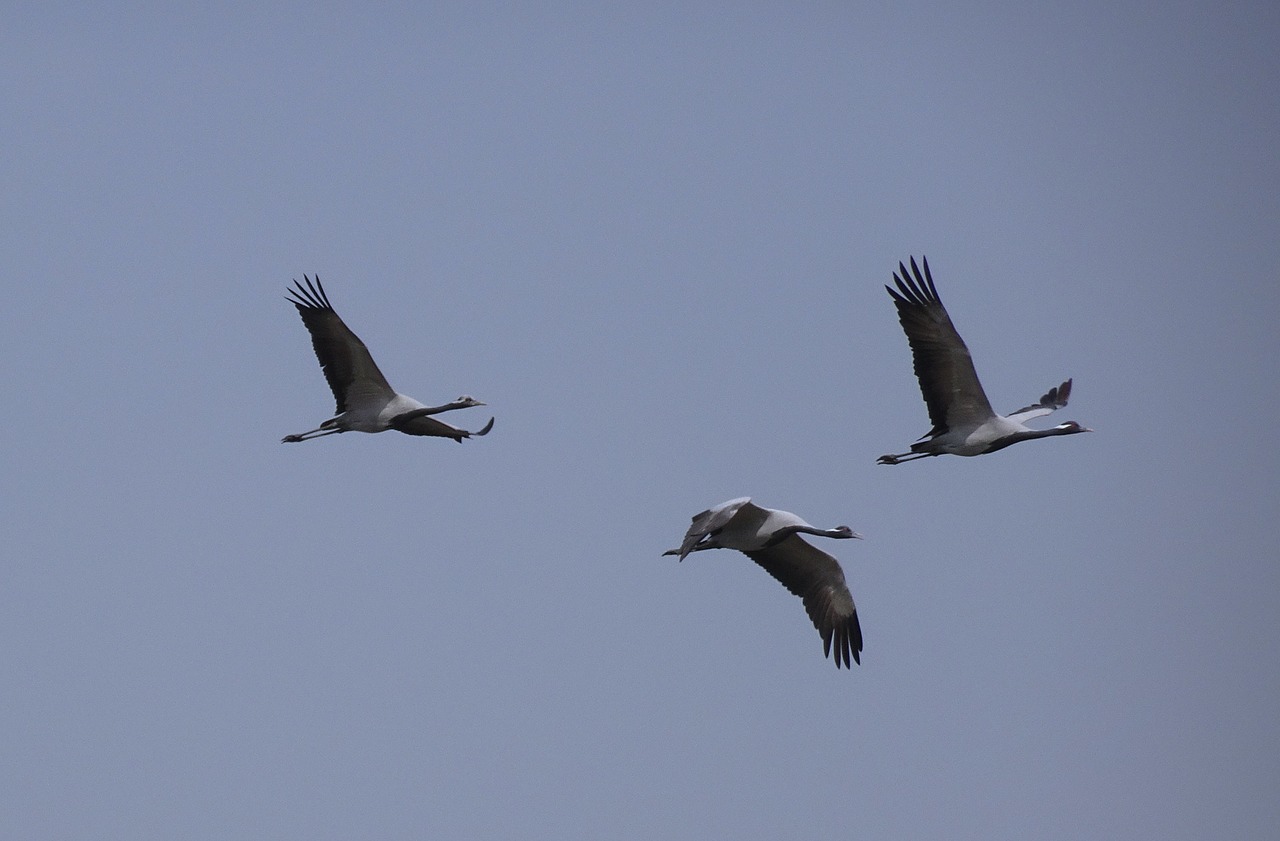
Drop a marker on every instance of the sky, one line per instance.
(653, 238)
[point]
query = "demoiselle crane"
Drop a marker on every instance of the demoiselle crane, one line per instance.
(964, 423)
(366, 402)
(772, 539)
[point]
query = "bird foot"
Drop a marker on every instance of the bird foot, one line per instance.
(290, 439)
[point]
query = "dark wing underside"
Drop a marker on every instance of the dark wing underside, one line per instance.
(818, 580)
(420, 422)
(1053, 399)
(943, 365)
(348, 367)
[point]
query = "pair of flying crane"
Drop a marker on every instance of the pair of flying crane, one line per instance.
(964, 424)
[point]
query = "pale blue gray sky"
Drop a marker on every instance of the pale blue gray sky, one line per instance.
(655, 241)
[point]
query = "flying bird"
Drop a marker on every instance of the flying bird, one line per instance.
(772, 539)
(964, 423)
(366, 402)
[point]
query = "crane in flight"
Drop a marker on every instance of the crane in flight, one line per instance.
(964, 424)
(772, 539)
(366, 401)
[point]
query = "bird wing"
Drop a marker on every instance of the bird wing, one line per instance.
(1053, 399)
(943, 365)
(710, 522)
(420, 422)
(818, 580)
(352, 374)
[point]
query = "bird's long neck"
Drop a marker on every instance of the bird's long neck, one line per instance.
(447, 407)
(785, 532)
(1027, 435)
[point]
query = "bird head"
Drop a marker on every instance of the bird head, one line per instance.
(845, 531)
(1071, 427)
(466, 401)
